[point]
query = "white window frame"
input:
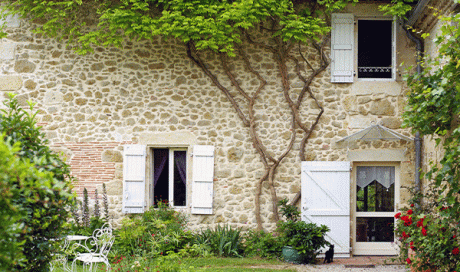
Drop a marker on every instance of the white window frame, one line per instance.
(393, 49)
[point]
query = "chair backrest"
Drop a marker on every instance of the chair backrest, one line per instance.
(103, 239)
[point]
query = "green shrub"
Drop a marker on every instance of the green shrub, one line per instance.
(223, 241)
(40, 195)
(159, 231)
(262, 244)
(306, 238)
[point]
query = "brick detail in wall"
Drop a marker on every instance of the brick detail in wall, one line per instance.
(87, 165)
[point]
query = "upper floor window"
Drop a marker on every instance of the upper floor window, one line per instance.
(362, 48)
(375, 49)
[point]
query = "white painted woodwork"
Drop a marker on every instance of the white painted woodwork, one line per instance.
(326, 200)
(134, 159)
(203, 177)
(342, 44)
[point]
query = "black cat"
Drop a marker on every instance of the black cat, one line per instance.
(329, 255)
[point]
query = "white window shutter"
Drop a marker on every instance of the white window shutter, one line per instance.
(342, 56)
(326, 200)
(134, 178)
(203, 177)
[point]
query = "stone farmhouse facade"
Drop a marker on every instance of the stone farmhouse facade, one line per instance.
(122, 116)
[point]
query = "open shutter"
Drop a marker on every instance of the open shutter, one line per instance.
(134, 178)
(203, 176)
(342, 55)
(326, 200)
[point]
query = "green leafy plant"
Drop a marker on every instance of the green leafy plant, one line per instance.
(433, 108)
(262, 244)
(157, 232)
(224, 241)
(306, 238)
(42, 197)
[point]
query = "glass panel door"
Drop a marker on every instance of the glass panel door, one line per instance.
(376, 195)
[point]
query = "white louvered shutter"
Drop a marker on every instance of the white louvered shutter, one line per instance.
(134, 178)
(342, 56)
(326, 200)
(203, 177)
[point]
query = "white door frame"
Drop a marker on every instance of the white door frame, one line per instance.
(374, 248)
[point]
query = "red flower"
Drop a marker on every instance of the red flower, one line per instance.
(412, 245)
(408, 261)
(409, 212)
(455, 251)
(407, 220)
(397, 215)
(405, 235)
(420, 222)
(412, 205)
(424, 231)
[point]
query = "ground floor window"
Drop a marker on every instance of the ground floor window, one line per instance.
(170, 176)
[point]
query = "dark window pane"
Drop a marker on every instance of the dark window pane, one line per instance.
(180, 176)
(374, 229)
(161, 175)
(375, 198)
(374, 49)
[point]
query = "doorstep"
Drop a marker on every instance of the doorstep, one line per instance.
(363, 261)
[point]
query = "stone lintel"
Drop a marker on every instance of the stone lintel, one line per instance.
(376, 87)
(168, 139)
(389, 155)
(10, 83)
(358, 122)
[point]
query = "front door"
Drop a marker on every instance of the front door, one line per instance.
(376, 195)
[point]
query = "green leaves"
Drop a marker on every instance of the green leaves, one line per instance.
(36, 184)
(209, 24)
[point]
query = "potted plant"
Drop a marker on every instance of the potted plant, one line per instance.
(302, 241)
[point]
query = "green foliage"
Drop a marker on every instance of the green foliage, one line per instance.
(431, 233)
(398, 7)
(223, 241)
(433, 109)
(262, 244)
(40, 195)
(158, 232)
(214, 25)
(306, 238)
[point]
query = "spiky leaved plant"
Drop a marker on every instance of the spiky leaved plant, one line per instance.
(96, 204)
(85, 208)
(105, 202)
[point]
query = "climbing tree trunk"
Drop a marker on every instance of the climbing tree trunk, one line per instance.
(243, 102)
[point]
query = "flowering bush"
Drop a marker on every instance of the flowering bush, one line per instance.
(431, 234)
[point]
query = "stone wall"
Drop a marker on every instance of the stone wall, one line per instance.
(149, 92)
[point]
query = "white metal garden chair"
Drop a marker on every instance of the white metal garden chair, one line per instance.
(96, 248)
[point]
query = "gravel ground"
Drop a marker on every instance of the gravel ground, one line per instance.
(341, 268)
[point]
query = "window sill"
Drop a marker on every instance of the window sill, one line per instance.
(369, 87)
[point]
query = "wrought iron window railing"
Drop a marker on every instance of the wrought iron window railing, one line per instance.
(375, 69)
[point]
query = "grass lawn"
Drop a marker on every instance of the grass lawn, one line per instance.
(237, 264)
(228, 265)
